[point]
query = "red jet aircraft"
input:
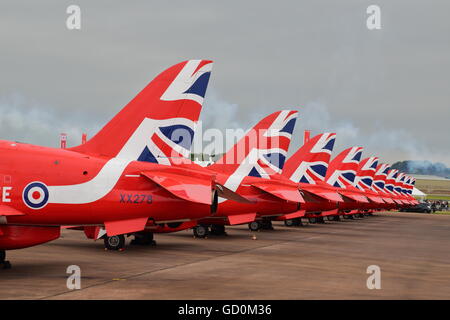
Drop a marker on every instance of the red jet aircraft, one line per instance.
(123, 178)
(308, 168)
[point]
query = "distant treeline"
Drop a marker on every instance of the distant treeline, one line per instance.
(423, 167)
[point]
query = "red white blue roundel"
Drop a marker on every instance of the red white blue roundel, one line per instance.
(35, 195)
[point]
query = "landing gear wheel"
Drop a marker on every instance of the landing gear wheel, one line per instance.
(330, 218)
(312, 220)
(337, 218)
(293, 222)
(266, 225)
(143, 239)
(218, 230)
(115, 242)
(289, 222)
(200, 231)
(320, 220)
(254, 226)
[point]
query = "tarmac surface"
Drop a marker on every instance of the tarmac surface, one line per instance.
(316, 261)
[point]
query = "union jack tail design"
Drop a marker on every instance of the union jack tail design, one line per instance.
(310, 163)
(410, 186)
(342, 170)
(158, 124)
(261, 152)
(366, 172)
(390, 181)
(379, 180)
(398, 184)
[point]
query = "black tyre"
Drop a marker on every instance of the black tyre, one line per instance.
(289, 223)
(320, 220)
(2, 256)
(218, 229)
(200, 231)
(312, 220)
(114, 242)
(254, 225)
(266, 225)
(143, 239)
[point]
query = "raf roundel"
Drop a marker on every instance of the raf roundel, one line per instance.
(35, 195)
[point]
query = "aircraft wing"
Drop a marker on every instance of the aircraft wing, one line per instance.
(293, 215)
(183, 185)
(280, 190)
(117, 227)
(375, 199)
(241, 218)
(387, 200)
(191, 185)
(226, 193)
(353, 196)
(322, 192)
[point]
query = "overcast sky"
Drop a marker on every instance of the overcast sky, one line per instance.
(387, 90)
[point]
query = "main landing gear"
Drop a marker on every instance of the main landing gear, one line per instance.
(143, 239)
(316, 220)
(218, 230)
(3, 263)
(254, 226)
(116, 243)
(260, 225)
(293, 222)
(202, 231)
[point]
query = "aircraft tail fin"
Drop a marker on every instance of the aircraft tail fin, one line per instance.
(310, 163)
(366, 173)
(262, 151)
(158, 124)
(343, 168)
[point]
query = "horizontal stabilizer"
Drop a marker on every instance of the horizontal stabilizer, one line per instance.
(329, 213)
(114, 228)
(388, 200)
(9, 211)
(241, 218)
(375, 199)
(323, 192)
(228, 194)
(293, 215)
(282, 191)
(354, 196)
(183, 184)
(329, 195)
